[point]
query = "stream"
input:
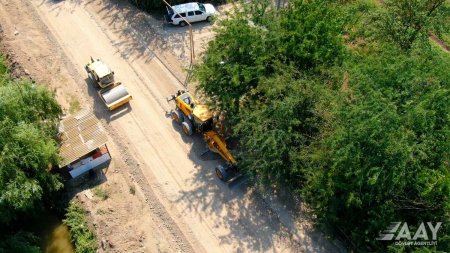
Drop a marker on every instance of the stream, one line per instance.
(55, 237)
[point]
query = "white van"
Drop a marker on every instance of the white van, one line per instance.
(192, 12)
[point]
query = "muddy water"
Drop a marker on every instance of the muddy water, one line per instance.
(54, 234)
(58, 241)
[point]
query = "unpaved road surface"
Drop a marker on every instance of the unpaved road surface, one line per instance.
(178, 204)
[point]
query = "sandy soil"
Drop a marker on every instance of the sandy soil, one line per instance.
(178, 205)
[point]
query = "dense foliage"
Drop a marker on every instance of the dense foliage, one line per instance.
(305, 36)
(27, 121)
(387, 157)
(405, 21)
(28, 116)
(334, 104)
(19, 242)
(80, 234)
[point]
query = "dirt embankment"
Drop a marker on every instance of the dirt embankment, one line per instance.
(15, 70)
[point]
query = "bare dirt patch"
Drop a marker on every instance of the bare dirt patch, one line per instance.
(441, 43)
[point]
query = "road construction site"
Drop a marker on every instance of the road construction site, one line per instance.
(179, 204)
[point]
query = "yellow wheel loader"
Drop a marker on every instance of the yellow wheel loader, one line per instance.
(197, 118)
(192, 116)
(217, 144)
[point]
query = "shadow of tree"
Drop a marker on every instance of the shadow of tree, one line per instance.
(252, 220)
(144, 36)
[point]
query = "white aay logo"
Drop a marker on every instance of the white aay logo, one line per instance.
(398, 232)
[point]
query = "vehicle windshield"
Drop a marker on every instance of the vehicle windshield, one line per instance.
(107, 79)
(202, 7)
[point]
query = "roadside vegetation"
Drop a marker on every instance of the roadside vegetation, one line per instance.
(100, 193)
(344, 103)
(80, 233)
(28, 116)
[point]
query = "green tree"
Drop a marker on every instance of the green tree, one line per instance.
(405, 21)
(308, 34)
(355, 123)
(28, 117)
(305, 35)
(272, 130)
(387, 157)
(234, 63)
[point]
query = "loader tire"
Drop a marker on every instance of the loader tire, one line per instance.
(187, 127)
(222, 173)
(177, 116)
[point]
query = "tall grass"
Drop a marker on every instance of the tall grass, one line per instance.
(81, 235)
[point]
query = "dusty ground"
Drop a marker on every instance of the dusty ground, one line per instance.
(162, 196)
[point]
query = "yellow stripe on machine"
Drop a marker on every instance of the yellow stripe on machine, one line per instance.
(217, 144)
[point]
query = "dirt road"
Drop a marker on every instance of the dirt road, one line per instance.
(180, 205)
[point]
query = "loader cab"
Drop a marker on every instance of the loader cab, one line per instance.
(185, 102)
(192, 116)
(203, 118)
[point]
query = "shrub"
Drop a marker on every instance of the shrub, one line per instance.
(81, 235)
(101, 193)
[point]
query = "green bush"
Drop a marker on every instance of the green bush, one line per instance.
(3, 67)
(81, 235)
(28, 119)
(335, 109)
(101, 193)
(19, 242)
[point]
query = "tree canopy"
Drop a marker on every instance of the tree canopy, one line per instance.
(346, 104)
(28, 117)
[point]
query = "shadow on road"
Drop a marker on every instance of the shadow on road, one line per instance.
(252, 222)
(100, 109)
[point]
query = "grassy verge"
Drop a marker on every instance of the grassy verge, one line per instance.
(101, 193)
(446, 38)
(80, 233)
(3, 67)
(3, 70)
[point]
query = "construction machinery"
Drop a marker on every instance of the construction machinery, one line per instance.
(197, 118)
(114, 96)
(112, 93)
(99, 73)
